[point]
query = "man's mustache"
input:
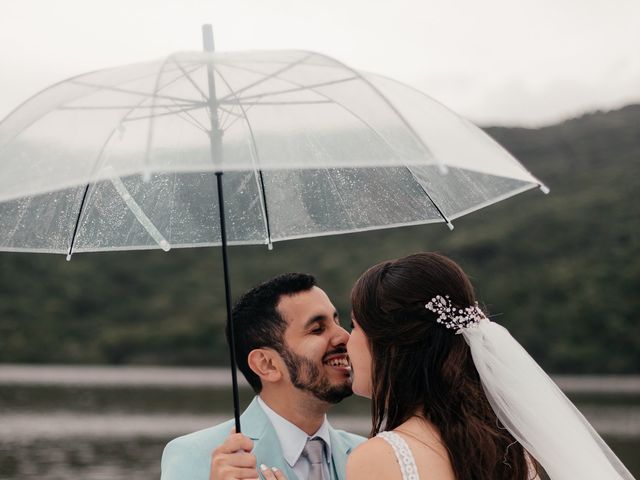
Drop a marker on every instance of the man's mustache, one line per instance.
(336, 351)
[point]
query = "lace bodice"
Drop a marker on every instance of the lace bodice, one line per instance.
(403, 454)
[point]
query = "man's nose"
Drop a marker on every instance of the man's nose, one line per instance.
(340, 335)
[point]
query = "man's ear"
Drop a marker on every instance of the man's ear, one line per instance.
(265, 363)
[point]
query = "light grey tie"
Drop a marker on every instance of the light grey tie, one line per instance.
(314, 452)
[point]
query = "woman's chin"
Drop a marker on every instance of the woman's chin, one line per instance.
(359, 391)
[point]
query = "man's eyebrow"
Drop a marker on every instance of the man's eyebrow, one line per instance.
(318, 318)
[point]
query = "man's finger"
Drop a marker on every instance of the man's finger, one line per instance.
(233, 443)
(233, 473)
(241, 459)
(234, 460)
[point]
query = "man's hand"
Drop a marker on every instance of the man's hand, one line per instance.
(233, 459)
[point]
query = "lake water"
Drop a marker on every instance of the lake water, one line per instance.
(107, 423)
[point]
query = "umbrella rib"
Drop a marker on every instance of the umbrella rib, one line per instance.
(191, 80)
(224, 119)
(288, 66)
(77, 224)
(137, 211)
(238, 117)
(229, 111)
(170, 112)
(263, 194)
(440, 212)
(296, 89)
(191, 120)
(290, 102)
(123, 107)
(194, 121)
(134, 92)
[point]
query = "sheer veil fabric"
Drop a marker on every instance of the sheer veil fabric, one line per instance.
(536, 412)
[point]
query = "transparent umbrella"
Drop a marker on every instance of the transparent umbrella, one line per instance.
(134, 157)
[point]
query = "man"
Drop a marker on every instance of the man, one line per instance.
(292, 350)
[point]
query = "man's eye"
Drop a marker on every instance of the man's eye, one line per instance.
(318, 329)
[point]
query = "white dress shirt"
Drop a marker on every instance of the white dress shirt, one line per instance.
(293, 439)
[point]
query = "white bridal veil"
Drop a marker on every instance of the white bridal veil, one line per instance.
(536, 412)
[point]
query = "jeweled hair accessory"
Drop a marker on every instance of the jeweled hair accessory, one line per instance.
(452, 317)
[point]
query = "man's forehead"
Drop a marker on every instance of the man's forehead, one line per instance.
(302, 305)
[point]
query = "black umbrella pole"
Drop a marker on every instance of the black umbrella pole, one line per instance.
(227, 292)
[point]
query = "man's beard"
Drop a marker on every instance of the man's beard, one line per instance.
(306, 376)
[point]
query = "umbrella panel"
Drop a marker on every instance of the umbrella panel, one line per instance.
(174, 210)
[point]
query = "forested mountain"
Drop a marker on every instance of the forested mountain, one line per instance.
(562, 271)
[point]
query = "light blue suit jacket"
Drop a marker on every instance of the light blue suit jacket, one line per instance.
(189, 457)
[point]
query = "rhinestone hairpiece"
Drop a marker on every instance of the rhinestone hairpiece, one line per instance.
(452, 317)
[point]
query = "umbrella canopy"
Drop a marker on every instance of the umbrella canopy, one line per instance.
(125, 158)
(134, 157)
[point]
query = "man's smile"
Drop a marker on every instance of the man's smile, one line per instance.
(338, 361)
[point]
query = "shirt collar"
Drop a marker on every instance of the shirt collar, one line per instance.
(293, 439)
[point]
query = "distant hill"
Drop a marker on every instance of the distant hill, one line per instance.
(561, 271)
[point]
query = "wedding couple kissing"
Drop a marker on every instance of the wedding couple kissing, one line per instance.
(453, 395)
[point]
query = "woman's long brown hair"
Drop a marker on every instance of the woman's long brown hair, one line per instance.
(421, 368)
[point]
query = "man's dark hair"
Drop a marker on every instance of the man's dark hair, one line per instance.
(257, 321)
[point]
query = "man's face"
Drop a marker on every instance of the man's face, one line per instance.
(315, 345)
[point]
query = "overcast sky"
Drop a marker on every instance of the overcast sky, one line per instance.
(508, 62)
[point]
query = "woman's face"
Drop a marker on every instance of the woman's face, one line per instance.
(360, 357)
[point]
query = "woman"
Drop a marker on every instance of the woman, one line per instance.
(454, 396)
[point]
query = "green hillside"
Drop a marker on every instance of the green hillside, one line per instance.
(562, 271)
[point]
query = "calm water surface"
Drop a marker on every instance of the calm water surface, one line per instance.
(76, 423)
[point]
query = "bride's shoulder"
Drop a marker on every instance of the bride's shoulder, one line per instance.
(373, 459)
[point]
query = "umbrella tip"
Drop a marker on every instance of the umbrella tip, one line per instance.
(269, 246)
(450, 225)
(544, 188)
(164, 245)
(443, 169)
(68, 257)
(146, 176)
(207, 38)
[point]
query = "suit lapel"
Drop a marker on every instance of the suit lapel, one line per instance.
(266, 446)
(339, 452)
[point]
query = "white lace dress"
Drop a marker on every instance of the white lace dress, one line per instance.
(403, 454)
